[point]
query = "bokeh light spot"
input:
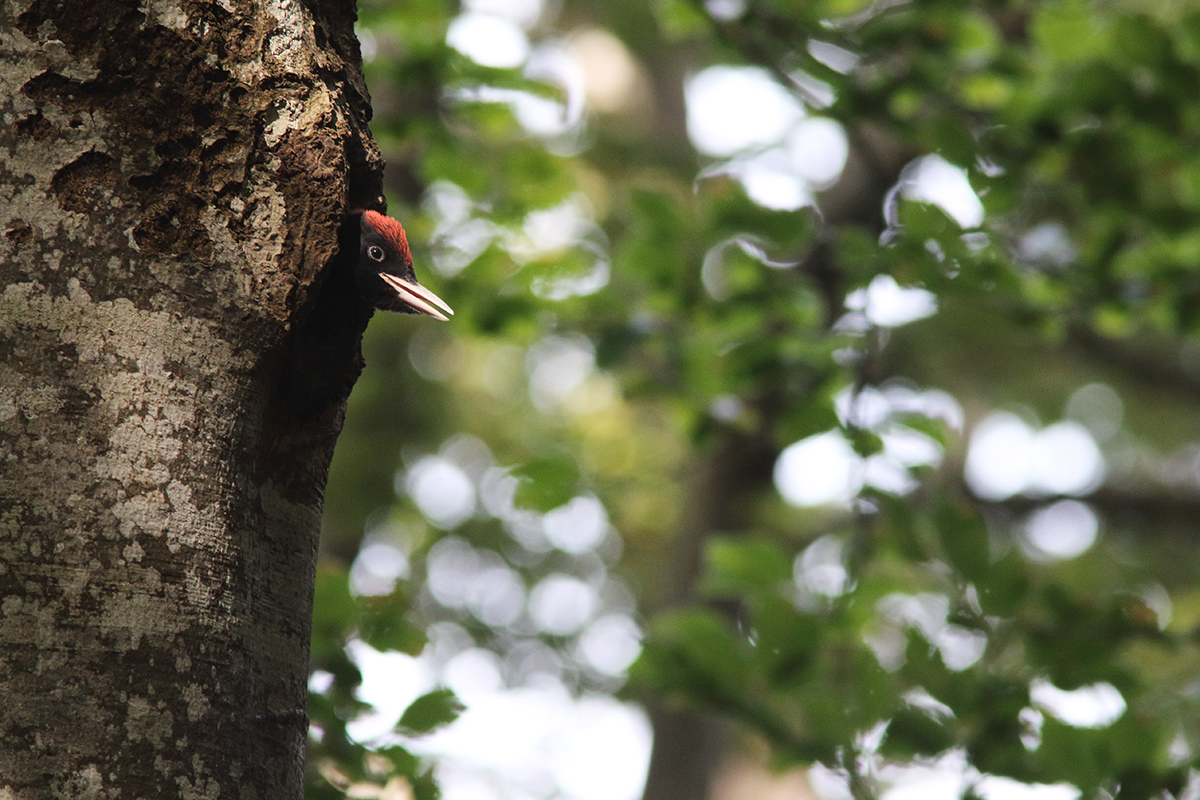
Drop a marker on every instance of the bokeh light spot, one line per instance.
(377, 568)
(818, 470)
(1066, 460)
(890, 305)
(999, 457)
(489, 40)
(1095, 706)
(935, 180)
(611, 643)
(561, 604)
(1063, 530)
(496, 596)
(819, 569)
(578, 526)
(732, 108)
(1098, 408)
(441, 490)
(818, 149)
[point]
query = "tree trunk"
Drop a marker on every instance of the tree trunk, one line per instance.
(689, 745)
(176, 345)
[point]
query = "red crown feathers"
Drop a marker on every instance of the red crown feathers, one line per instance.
(391, 230)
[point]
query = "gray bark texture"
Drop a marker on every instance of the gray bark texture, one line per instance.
(176, 345)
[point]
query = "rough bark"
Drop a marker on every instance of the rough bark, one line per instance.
(175, 349)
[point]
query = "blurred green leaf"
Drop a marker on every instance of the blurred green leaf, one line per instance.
(546, 483)
(788, 642)
(385, 626)
(679, 19)
(693, 652)
(913, 732)
(1067, 31)
(964, 539)
(429, 712)
(744, 568)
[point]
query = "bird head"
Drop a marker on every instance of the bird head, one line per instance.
(385, 272)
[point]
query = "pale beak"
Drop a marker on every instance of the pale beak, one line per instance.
(418, 297)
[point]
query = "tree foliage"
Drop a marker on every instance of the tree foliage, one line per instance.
(634, 328)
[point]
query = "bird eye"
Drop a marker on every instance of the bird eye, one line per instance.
(375, 253)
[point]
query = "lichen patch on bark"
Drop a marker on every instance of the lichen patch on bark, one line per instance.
(172, 177)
